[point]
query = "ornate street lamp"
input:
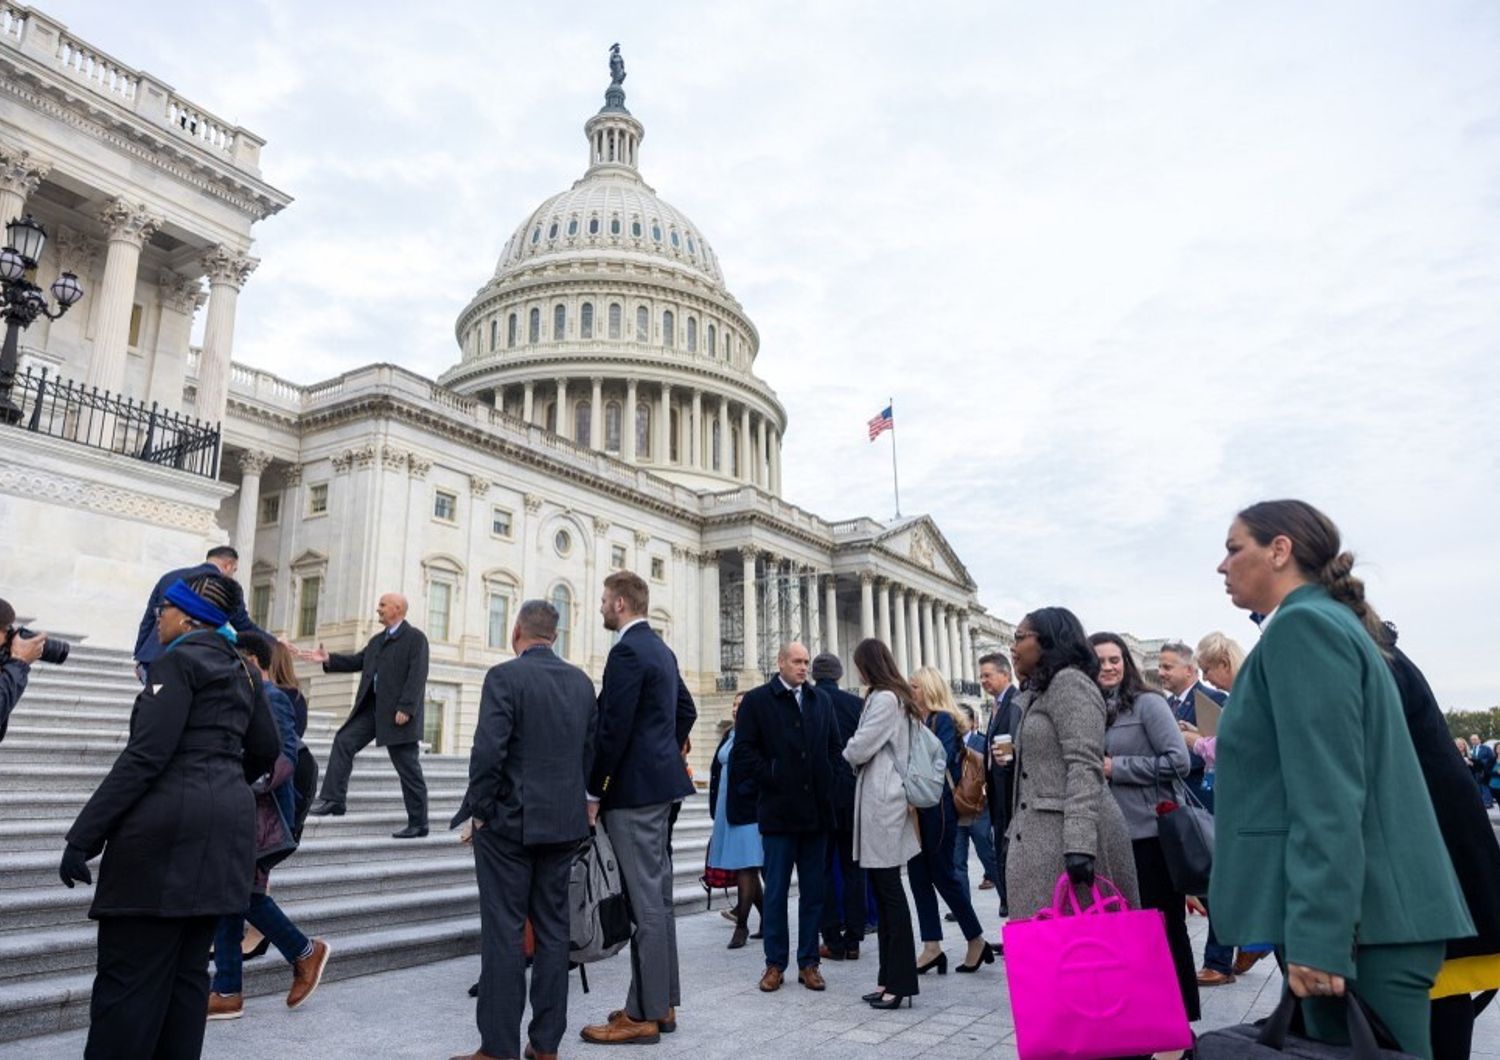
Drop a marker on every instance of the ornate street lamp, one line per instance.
(22, 301)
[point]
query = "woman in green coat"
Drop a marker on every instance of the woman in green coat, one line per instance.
(1326, 841)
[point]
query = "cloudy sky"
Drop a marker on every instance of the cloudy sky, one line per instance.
(1124, 267)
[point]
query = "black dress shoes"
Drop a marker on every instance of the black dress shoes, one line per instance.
(411, 831)
(324, 808)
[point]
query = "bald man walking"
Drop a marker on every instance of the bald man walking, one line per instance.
(392, 672)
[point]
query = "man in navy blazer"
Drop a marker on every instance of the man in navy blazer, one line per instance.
(645, 716)
(995, 679)
(221, 560)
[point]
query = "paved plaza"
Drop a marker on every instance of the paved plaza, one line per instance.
(426, 1012)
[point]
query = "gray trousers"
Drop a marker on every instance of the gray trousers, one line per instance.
(639, 836)
(354, 736)
(516, 882)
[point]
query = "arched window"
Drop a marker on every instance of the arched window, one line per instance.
(615, 313)
(643, 431)
(572, 226)
(559, 322)
(642, 324)
(583, 422)
(635, 228)
(534, 330)
(668, 328)
(494, 333)
(552, 232)
(614, 226)
(551, 418)
(586, 321)
(612, 426)
(562, 600)
(593, 226)
(675, 425)
(734, 451)
(718, 444)
(713, 345)
(510, 330)
(692, 330)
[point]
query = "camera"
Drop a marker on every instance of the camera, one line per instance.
(54, 651)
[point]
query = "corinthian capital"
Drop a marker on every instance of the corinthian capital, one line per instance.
(127, 223)
(21, 172)
(180, 293)
(253, 462)
(226, 266)
(76, 251)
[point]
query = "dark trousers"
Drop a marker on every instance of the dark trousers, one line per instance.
(1155, 883)
(1215, 954)
(516, 882)
(1394, 981)
(977, 832)
(305, 781)
(354, 736)
(807, 852)
(1453, 1024)
(639, 836)
(931, 873)
(898, 952)
(843, 920)
(151, 988)
(271, 922)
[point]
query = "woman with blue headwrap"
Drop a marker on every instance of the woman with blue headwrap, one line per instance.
(175, 819)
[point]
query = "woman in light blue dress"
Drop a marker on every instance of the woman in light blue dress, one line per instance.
(734, 847)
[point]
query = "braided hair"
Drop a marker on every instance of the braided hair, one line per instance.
(221, 591)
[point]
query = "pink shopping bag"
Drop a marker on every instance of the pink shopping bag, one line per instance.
(1094, 982)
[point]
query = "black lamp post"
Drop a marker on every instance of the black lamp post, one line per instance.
(22, 301)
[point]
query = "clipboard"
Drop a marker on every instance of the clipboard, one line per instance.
(1208, 713)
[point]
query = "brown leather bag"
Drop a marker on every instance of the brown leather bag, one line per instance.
(968, 794)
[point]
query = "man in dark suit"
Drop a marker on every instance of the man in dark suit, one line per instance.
(526, 814)
(645, 716)
(392, 670)
(221, 560)
(843, 922)
(786, 741)
(995, 679)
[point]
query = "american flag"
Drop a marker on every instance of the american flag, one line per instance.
(883, 422)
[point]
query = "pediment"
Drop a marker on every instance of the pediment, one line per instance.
(310, 559)
(919, 541)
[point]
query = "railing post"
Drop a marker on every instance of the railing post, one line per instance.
(150, 434)
(41, 394)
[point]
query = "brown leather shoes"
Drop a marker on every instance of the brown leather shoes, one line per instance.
(666, 1026)
(622, 1030)
(852, 953)
(1244, 961)
(307, 973)
(225, 1006)
(771, 981)
(830, 955)
(531, 1054)
(811, 978)
(484, 1056)
(1209, 977)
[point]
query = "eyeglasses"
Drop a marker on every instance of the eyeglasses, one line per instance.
(1023, 634)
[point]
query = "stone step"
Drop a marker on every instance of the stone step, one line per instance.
(372, 773)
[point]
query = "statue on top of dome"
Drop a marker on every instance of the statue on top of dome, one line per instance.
(616, 65)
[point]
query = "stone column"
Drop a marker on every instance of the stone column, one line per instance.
(744, 446)
(831, 614)
(966, 647)
(180, 297)
(760, 451)
(929, 644)
(955, 654)
(564, 420)
(866, 605)
(939, 640)
(913, 632)
(752, 615)
(814, 619)
(799, 616)
(711, 657)
(596, 414)
(696, 454)
(227, 272)
(665, 456)
(775, 614)
(726, 460)
(528, 400)
(129, 228)
(20, 175)
(776, 462)
(883, 611)
(627, 427)
(898, 629)
(252, 463)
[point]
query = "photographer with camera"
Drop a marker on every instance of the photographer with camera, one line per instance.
(20, 649)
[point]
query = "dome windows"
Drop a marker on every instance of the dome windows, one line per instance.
(552, 232)
(668, 328)
(559, 322)
(586, 321)
(643, 430)
(583, 423)
(614, 226)
(536, 235)
(692, 334)
(656, 231)
(615, 315)
(692, 249)
(593, 226)
(713, 346)
(676, 240)
(534, 327)
(510, 330)
(612, 427)
(635, 228)
(642, 324)
(572, 226)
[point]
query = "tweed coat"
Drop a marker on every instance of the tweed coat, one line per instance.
(885, 825)
(1062, 804)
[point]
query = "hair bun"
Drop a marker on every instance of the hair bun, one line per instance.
(1338, 568)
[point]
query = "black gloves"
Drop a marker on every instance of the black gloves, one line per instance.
(1080, 869)
(75, 866)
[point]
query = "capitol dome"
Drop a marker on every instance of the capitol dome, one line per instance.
(607, 323)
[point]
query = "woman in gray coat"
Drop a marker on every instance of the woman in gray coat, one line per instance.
(1063, 819)
(1146, 756)
(885, 828)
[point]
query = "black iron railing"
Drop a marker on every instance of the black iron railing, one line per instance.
(61, 408)
(965, 688)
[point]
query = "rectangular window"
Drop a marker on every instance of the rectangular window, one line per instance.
(445, 506)
(270, 511)
(307, 607)
(494, 334)
(499, 631)
(260, 605)
(317, 499)
(432, 724)
(499, 522)
(617, 557)
(135, 326)
(439, 600)
(658, 569)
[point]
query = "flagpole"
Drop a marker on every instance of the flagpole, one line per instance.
(895, 479)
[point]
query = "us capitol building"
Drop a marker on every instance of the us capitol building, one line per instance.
(604, 413)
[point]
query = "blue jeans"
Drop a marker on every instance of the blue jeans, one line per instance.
(984, 846)
(808, 852)
(267, 916)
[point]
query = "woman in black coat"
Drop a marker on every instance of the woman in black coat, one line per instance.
(176, 821)
(1471, 965)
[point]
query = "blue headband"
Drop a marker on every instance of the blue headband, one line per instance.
(182, 597)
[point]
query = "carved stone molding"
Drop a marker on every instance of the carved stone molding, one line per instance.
(36, 484)
(183, 294)
(677, 551)
(127, 223)
(601, 526)
(21, 172)
(342, 462)
(642, 539)
(227, 267)
(866, 577)
(77, 252)
(393, 457)
(478, 485)
(365, 455)
(533, 502)
(709, 558)
(253, 462)
(292, 476)
(418, 465)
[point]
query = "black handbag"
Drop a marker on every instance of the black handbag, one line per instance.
(1274, 1040)
(1187, 837)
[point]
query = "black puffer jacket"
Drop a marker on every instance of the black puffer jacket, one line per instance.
(175, 816)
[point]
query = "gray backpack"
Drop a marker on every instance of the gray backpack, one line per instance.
(926, 772)
(599, 918)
